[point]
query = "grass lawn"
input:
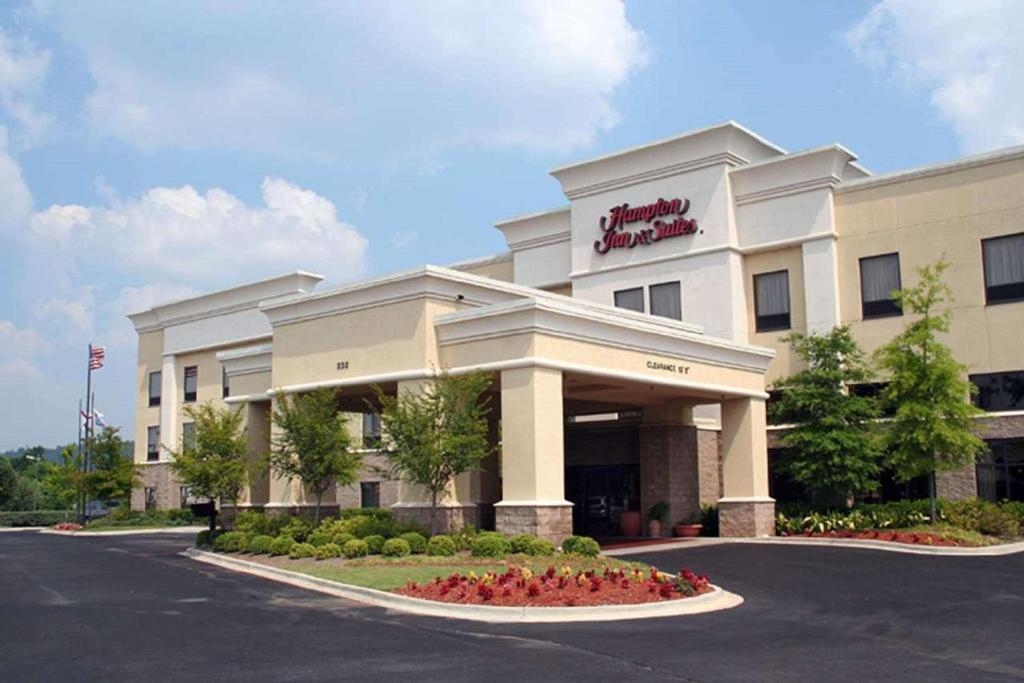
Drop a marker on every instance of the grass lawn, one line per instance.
(387, 574)
(139, 527)
(959, 535)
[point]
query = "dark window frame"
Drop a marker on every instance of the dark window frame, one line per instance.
(778, 321)
(630, 290)
(984, 399)
(650, 298)
(374, 497)
(190, 396)
(225, 387)
(152, 445)
(996, 462)
(372, 439)
(880, 308)
(155, 400)
(1008, 293)
(185, 436)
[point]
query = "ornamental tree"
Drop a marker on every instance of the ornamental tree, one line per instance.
(111, 474)
(931, 428)
(313, 445)
(213, 463)
(431, 437)
(831, 449)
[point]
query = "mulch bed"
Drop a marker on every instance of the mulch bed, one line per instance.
(519, 587)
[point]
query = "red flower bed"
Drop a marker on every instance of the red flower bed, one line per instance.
(912, 537)
(518, 586)
(67, 526)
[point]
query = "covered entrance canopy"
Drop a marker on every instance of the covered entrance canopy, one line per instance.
(551, 357)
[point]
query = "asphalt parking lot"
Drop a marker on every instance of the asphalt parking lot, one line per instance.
(131, 608)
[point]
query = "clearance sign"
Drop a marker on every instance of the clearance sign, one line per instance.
(661, 220)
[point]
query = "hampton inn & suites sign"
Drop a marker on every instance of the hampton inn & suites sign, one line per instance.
(661, 220)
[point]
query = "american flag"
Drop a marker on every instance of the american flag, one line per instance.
(96, 356)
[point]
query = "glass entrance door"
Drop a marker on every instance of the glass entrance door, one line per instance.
(599, 495)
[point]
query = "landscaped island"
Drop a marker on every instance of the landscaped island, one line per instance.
(369, 548)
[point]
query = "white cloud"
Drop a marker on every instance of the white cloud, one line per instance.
(421, 77)
(15, 198)
(403, 239)
(18, 346)
(74, 313)
(968, 55)
(208, 239)
(23, 70)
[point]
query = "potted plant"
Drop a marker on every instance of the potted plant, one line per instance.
(655, 516)
(688, 527)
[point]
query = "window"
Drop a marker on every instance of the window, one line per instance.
(879, 277)
(188, 435)
(666, 300)
(185, 496)
(369, 494)
(774, 416)
(1003, 260)
(999, 390)
(225, 389)
(771, 301)
(371, 430)
(1001, 471)
(154, 388)
(631, 299)
(150, 493)
(152, 444)
(191, 382)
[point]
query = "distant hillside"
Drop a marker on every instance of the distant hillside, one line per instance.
(53, 454)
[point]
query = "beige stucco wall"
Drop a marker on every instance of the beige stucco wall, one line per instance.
(497, 270)
(519, 346)
(151, 346)
(791, 259)
(383, 339)
(923, 219)
(250, 383)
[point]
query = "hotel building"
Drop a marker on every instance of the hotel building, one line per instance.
(633, 335)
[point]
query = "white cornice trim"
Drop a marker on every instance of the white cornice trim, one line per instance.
(675, 138)
(823, 183)
(557, 319)
(503, 257)
(247, 361)
(542, 241)
(218, 345)
(248, 398)
(525, 362)
(532, 216)
(719, 159)
(998, 156)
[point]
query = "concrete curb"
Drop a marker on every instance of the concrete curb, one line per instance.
(193, 530)
(710, 602)
(12, 529)
(849, 543)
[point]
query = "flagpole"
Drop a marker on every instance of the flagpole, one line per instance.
(80, 503)
(88, 427)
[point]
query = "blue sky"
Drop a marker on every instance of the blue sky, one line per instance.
(149, 151)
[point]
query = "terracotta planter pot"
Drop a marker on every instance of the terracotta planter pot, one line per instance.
(654, 528)
(629, 523)
(687, 530)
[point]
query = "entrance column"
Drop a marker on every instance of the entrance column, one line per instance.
(455, 508)
(532, 455)
(745, 509)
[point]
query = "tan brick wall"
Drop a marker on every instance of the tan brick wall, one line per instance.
(349, 496)
(553, 523)
(669, 471)
(157, 475)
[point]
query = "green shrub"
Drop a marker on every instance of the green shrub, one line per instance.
(205, 538)
(395, 547)
(417, 542)
(260, 544)
(490, 545)
(328, 550)
(965, 514)
(356, 548)
(342, 538)
(377, 513)
(581, 545)
(36, 517)
(319, 538)
(374, 544)
(296, 527)
(228, 542)
(1016, 509)
(302, 550)
(465, 537)
(521, 544)
(282, 545)
(252, 520)
(362, 526)
(997, 520)
(245, 540)
(441, 546)
(709, 520)
(542, 548)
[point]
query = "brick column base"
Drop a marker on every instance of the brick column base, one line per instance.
(551, 521)
(746, 517)
(449, 517)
